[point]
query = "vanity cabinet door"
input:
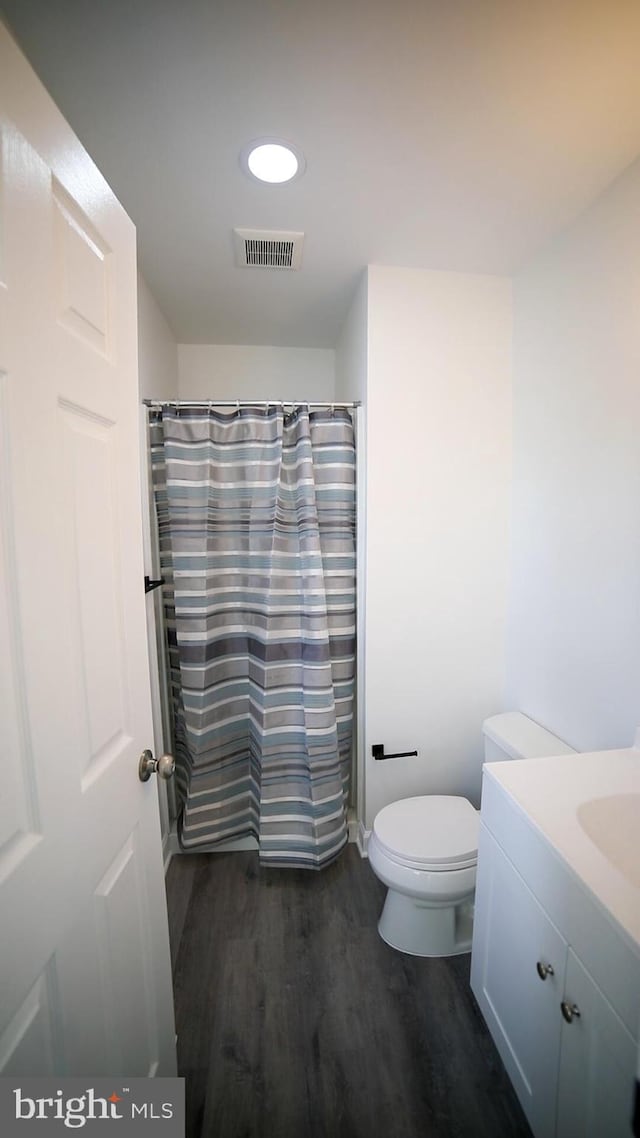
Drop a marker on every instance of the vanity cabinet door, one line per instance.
(597, 1062)
(517, 976)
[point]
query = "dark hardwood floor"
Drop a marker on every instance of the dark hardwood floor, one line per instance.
(295, 1020)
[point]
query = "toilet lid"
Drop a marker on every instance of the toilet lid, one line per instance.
(433, 831)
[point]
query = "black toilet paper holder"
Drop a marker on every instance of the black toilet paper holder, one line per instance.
(377, 750)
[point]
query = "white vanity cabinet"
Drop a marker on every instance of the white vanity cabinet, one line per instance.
(557, 982)
(512, 938)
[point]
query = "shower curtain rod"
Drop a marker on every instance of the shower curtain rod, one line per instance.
(332, 404)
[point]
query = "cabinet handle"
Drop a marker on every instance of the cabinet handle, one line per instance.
(570, 1011)
(544, 970)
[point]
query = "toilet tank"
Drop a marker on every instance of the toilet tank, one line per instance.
(513, 735)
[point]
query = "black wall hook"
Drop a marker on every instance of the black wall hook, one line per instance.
(149, 584)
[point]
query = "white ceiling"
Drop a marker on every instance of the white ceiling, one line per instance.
(447, 134)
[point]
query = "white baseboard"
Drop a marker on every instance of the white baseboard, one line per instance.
(362, 839)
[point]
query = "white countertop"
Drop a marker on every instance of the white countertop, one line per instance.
(551, 791)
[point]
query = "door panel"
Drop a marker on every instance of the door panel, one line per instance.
(18, 812)
(123, 948)
(28, 1042)
(89, 449)
(83, 278)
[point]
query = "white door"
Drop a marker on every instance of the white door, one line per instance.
(85, 981)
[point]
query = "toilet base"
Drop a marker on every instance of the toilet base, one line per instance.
(424, 929)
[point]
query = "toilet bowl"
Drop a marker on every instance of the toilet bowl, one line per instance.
(425, 850)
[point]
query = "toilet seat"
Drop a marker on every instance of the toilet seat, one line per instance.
(435, 833)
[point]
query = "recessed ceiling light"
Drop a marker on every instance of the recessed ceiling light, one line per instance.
(272, 160)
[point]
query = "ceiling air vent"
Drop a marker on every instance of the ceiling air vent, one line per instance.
(267, 249)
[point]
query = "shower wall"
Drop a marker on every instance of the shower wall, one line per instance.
(236, 371)
(157, 349)
(220, 371)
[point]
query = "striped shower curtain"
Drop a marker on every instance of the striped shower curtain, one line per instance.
(256, 525)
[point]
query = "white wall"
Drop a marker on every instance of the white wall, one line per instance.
(438, 408)
(351, 351)
(351, 385)
(233, 371)
(574, 640)
(157, 349)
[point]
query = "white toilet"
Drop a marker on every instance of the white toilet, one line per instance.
(425, 850)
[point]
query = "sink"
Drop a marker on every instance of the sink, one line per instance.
(613, 824)
(587, 807)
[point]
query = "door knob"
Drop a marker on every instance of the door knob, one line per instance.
(570, 1011)
(163, 767)
(544, 970)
